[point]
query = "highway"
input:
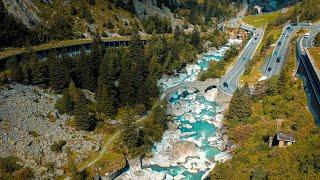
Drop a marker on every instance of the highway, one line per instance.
(230, 81)
(275, 63)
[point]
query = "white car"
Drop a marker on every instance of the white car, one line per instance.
(306, 35)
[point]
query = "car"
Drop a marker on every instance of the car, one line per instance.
(288, 27)
(306, 35)
(279, 43)
(269, 68)
(278, 59)
(294, 24)
(225, 84)
(255, 38)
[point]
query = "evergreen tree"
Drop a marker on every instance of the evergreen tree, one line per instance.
(138, 67)
(130, 137)
(40, 75)
(106, 92)
(195, 38)
(16, 72)
(282, 81)
(83, 120)
(152, 86)
(85, 70)
(127, 92)
(74, 92)
(177, 33)
(240, 106)
(59, 74)
(272, 86)
(65, 104)
(155, 67)
(105, 100)
(96, 56)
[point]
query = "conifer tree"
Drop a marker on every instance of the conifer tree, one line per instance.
(65, 104)
(86, 72)
(282, 81)
(127, 92)
(83, 120)
(195, 38)
(138, 67)
(152, 86)
(74, 92)
(59, 74)
(14, 66)
(106, 92)
(40, 74)
(155, 67)
(240, 106)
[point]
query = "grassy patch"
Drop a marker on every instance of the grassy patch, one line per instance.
(108, 163)
(261, 20)
(255, 73)
(315, 53)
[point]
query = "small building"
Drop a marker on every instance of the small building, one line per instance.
(282, 139)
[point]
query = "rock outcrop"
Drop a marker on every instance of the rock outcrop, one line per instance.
(25, 11)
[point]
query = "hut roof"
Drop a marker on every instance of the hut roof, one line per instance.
(281, 136)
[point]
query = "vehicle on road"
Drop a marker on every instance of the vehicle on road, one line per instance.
(225, 84)
(279, 43)
(306, 35)
(269, 68)
(278, 59)
(288, 27)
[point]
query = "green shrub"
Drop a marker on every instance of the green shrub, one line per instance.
(9, 164)
(57, 146)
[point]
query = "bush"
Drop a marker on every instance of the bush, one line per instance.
(9, 164)
(57, 146)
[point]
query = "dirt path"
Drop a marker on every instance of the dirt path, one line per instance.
(103, 150)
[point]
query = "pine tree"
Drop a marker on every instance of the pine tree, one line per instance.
(240, 106)
(195, 38)
(155, 67)
(40, 74)
(152, 87)
(65, 104)
(127, 92)
(138, 67)
(106, 92)
(105, 101)
(83, 120)
(59, 74)
(282, 81)
(74, 92)
(85, 70)
(97, 52)
(16, 71)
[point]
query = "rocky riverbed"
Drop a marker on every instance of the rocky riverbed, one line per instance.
(30, 124)
(196, 139)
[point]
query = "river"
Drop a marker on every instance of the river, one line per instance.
(189, 151)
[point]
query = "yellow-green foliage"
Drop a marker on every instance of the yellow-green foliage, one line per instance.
(108, 163)
(103, 12)
(261, 20)
(315, 52)
(253, 159)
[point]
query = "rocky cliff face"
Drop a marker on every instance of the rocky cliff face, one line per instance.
(24, 10)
